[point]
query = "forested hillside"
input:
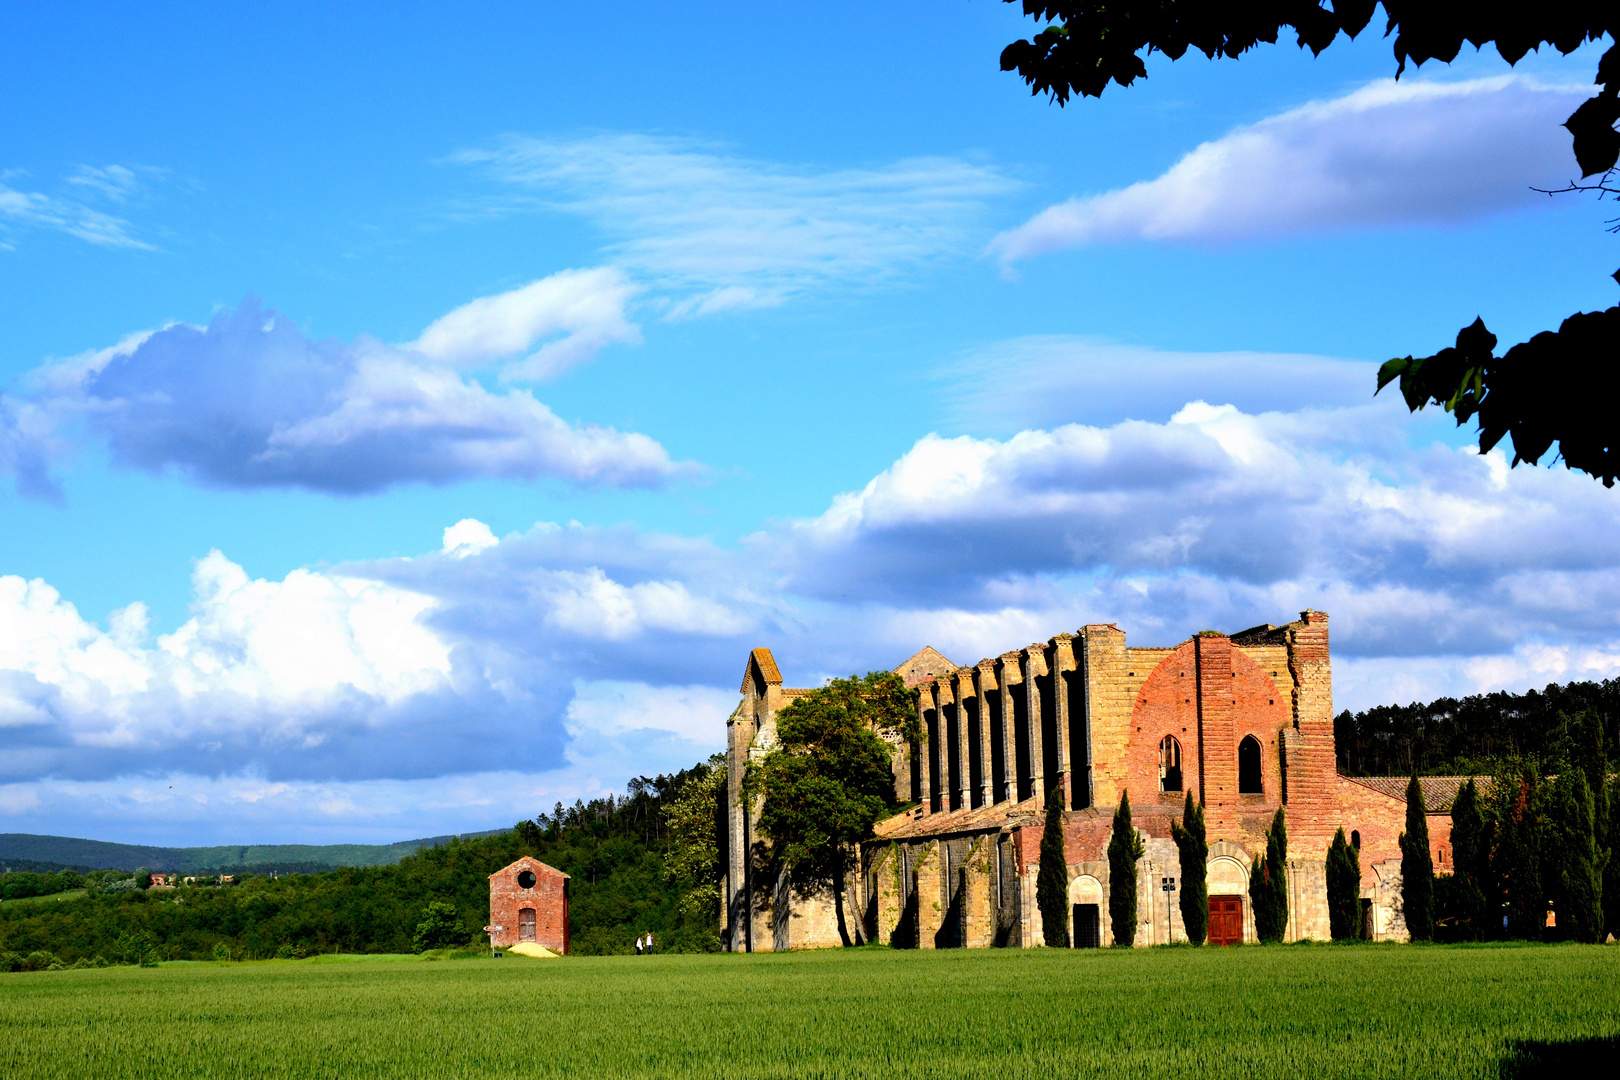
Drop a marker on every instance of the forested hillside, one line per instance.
(1454, 736)
(643, 861)
(27, 851)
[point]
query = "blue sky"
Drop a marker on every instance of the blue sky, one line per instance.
(722, 327)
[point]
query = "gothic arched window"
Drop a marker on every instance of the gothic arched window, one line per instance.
(1249, 767)
(1169, 764)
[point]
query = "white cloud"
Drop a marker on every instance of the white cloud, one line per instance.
(467, 537)
(448, 691)
(585, 307)
(724, 232)
(1389, 153)
(248, 401)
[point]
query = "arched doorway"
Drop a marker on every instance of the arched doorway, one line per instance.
(526, 924)
(1085, 905)
(1228, 882)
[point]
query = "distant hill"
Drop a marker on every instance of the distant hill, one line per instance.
(26, 851)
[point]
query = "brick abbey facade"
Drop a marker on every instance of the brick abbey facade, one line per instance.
(1243, 721)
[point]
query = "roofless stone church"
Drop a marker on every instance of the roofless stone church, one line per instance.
(1243, 721)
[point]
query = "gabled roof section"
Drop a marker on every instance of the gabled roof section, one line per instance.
(531, 863)
(1439, 792)
(928, 662)
(761, 661)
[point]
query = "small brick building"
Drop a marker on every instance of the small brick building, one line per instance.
(528, 900)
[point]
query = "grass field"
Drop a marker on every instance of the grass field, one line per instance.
(1317, 1012)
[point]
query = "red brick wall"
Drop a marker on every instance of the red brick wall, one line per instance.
(548, 898)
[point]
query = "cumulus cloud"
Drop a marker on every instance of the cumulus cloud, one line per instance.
(250, 401)
(562, 660)
(724, 232)
(585, 307)
(1390, 153)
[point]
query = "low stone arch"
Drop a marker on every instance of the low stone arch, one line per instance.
(1085, 889)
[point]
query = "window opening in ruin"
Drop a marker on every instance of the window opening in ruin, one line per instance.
(526, 879)
(526, 924)
(1249, 767)
(1355, 839)
(1169, 764)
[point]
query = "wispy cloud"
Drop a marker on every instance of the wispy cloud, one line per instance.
(74, 212)
(717, 231)
(1094, 381)
(1390, 153)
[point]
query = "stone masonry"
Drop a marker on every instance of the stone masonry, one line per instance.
(1244, 721)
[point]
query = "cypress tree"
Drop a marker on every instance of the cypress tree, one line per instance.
(1268, 885)
(1052, 883)
(1124, 848)
(1611, 868)
(1516, 864)
(1575, 869)
(1190, 841)
(1470, 860)
(1343, 889)
(1417, 867)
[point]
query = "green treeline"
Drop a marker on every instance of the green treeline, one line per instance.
(636, 863)
(1461, 737)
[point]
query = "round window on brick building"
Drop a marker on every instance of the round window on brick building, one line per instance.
(1169, 764)
(526, 879)
(1249, 767)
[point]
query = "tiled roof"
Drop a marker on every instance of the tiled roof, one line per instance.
(911, 824)
(1439, 792)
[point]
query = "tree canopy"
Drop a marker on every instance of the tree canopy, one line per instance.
(829, 777)
(1557, 386)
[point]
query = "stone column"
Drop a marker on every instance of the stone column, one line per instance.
(1060, 661)
(949, 724)
(966, 709)
(928, 716)
(1014, 732)
(1034, 661)
(984, 679)
(930, 893)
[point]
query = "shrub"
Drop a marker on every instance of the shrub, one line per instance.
(222, 951)
(438, 927)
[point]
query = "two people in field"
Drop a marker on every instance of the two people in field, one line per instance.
(644, 944)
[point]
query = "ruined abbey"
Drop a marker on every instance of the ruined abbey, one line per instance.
(1243, 721)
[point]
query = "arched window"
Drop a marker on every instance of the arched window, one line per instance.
(1169, 764)
(1355, 839)
(1249, 767)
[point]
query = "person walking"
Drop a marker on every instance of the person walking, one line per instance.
(638, 946)
(649, 943)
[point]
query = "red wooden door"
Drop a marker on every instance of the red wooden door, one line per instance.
(1226, 920)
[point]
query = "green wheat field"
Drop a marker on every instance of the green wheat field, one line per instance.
(1289, 1011)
